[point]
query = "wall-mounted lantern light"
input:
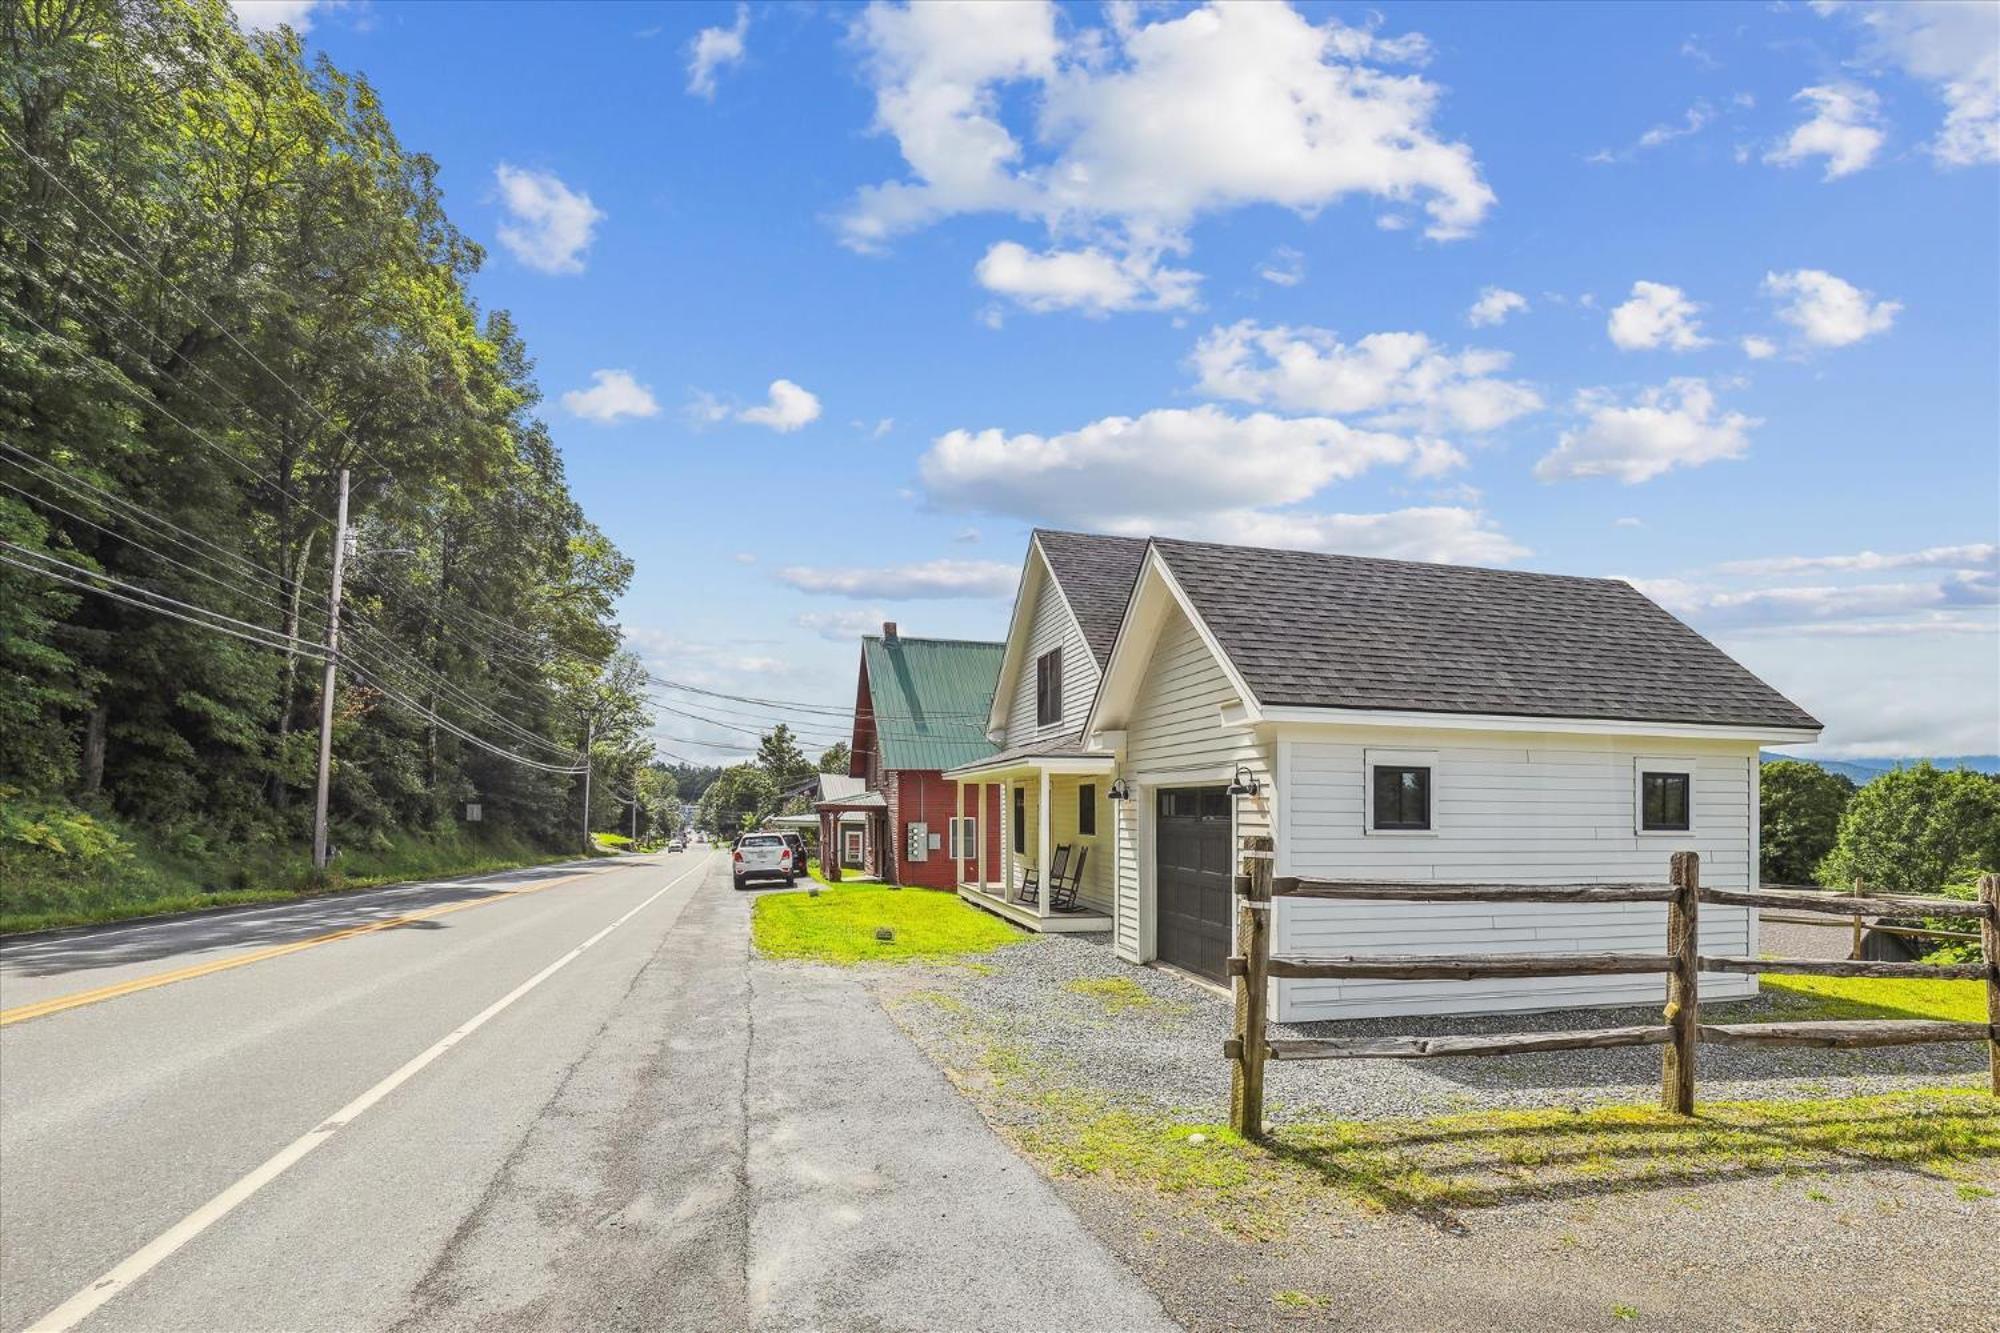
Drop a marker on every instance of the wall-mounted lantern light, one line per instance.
(1246, 783)
(1119, 791)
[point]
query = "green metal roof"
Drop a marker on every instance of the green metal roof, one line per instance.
(931, 699)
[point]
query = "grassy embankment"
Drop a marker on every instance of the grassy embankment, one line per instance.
(839, 924)
(62, 867)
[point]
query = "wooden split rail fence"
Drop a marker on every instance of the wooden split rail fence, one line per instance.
(1681, 1030)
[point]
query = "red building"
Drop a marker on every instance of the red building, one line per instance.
(920, 707)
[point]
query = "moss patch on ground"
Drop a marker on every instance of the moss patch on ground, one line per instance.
(1121, 995)
(840, 925)
(1837, 998)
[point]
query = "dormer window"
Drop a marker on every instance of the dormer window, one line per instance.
(1048, 688)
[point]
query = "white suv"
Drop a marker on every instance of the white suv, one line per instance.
(764, 856)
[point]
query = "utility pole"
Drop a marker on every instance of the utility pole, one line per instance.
(326, 689)
(589, 739)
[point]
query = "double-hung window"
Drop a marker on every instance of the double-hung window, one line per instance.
(965, 838)
(1048, 688)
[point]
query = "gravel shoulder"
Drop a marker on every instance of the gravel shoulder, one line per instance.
(1110, 1078)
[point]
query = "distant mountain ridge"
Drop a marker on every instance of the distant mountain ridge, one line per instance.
(1863, 771)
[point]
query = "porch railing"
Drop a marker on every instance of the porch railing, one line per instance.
(1680, 1032)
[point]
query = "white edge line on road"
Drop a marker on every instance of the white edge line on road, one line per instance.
(86, 1302)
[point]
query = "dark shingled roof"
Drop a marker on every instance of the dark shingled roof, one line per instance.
(1336, 631)
(1096, 574)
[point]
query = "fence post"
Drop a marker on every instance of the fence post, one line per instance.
(1253, 944)
(1854, 949)
(1683, 1013)
(1989, 941)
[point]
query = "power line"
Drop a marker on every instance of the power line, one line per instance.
(190, 303)
(371, 678)
(118, 505)
(257, 635)
(464, 735)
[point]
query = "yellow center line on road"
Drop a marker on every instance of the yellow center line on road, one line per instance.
(43, 1008)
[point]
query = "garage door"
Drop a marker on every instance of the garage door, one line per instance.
(1193, 875)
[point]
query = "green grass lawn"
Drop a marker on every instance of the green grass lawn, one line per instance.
(1811, 998)
(839, 925)
(818, 872)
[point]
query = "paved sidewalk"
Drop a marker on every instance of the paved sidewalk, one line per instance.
(755, 1145)
(882, 1201)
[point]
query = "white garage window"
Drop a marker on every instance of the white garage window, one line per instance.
(1399, 793)
(1662, 795)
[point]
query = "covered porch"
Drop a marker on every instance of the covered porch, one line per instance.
(852, 833)
(1054, 867)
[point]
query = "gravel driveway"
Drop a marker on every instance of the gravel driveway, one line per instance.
(1156, 1039)
(1064, 1049)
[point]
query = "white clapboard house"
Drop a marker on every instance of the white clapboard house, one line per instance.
(1379, 719)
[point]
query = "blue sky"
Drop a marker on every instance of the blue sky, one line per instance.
(831, 304)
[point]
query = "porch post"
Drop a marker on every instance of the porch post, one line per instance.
(1008, 866)
(1042, 850)
(958, 838)
(982, 789)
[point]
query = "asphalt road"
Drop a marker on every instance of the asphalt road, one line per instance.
(556, 1099)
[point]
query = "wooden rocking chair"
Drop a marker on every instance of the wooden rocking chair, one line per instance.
(1062, 891)
(1031, 883)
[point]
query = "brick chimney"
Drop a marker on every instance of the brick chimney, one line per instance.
(888, 631)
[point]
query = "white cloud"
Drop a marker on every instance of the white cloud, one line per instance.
(1168, 463)
(925, 579)
(1091, 280)
(788, 409)
(1697, 118)
(550, 224)
(966, 535)
(265, 15)
(843, 626)
(1628, 521)
(1402, 378)
(1893, 667)
(1757, 348)
(1969, 556)
(1493, 307)
(1828, 311)
(1446, 534)
(1656, 315)
(714, 49)
(1142, 127)
(1839, 604)
(613, 395)
(1844, 129)
(1285, 268)
(745, 557)
(1956, 48)
(1676, 425)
